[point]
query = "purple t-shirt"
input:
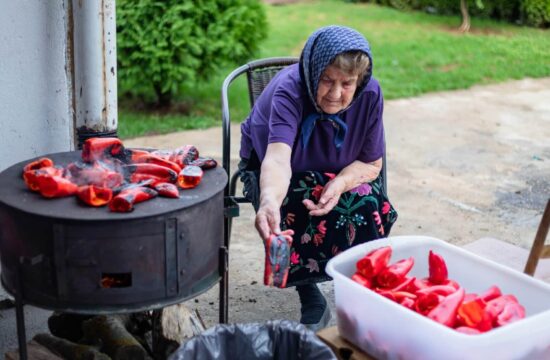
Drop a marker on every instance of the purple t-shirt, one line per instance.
(278, 113)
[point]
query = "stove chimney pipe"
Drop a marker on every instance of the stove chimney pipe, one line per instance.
(93, 59)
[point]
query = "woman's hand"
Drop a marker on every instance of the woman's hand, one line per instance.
(268, 219)
(274, 181)
(350, 177)
(328, 199)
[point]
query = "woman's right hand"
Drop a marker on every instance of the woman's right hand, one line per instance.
(268, 219)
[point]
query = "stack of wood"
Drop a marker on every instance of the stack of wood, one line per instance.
(152, 335)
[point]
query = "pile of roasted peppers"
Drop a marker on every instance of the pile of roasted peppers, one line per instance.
(110, 174)
(436, 296)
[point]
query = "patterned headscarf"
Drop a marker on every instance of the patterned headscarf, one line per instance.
(320, 50)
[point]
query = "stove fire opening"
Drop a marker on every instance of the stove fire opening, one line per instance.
(116, 280)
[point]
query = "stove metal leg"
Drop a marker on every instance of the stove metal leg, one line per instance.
(224, 285)
(20, 319)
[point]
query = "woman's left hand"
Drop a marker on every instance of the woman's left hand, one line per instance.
(328, 199)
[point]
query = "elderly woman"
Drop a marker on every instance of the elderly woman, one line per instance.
(311, 152)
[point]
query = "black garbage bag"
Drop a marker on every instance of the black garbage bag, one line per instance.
(272, 340)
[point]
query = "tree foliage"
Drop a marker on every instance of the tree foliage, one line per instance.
(530, 12)
(165, 44)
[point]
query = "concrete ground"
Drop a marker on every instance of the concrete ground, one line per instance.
(462, 166)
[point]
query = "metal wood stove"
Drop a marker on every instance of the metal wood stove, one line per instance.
(61, 255)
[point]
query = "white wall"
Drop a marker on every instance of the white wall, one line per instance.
(35, 90)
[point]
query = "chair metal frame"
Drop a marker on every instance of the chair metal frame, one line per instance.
(259, 73)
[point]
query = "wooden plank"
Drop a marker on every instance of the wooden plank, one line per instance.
(343, 349)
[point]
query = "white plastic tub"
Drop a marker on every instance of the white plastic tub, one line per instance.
(388, 330)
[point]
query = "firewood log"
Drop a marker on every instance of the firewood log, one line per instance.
(69, 350)
(35, 351)
(67, 326)
(115, 340)
(172, 326)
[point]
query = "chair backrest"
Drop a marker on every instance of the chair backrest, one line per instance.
(258, 73)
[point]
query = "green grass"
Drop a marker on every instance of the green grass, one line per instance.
(414, 53)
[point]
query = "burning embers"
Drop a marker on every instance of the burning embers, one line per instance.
(112, 175)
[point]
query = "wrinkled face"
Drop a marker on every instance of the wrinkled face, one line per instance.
(335, 90)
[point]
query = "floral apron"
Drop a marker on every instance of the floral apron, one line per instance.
(362, 214)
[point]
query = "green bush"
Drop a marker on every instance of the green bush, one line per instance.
(536, 12)
(166, 45)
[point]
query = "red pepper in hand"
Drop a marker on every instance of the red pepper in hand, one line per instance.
(394, 274)
(125, 200)
(374, 262)
(277, 259)
(38, 164)
(438, 268)
(102, 149)
(445, 312)
(167, 190)
(94, 195)
(55, 186)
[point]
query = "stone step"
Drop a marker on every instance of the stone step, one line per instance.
(508, 254)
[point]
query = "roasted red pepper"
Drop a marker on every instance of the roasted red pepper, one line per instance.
(96, 173)
(468, 330)
(149, 179)
(55, 186)
(131, 155)
(127, 198)
(102, 149)
(94, 195)
(163, 173)
(426, 302)
(473, 314)
(157, 160)
(360, 279)
(38, 164)
(190, 177)
(204, 163)
(31, 176)
(277, 259)
(438, 268)
(184, 155)
(492, 293)
(512, 312)
(445, 312)
(167, 190)
(394, 274)
(374, 262)
(444, 290)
